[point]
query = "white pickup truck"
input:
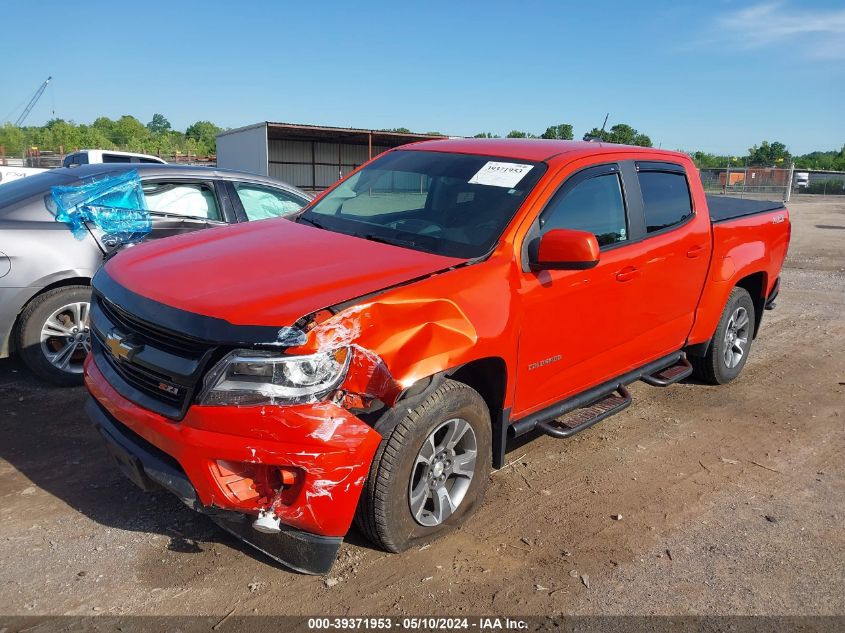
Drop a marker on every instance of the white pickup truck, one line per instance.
(95, 156)
(82, 157)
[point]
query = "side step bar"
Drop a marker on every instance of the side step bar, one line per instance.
(586, 417)
(599, 402)
(670, 375)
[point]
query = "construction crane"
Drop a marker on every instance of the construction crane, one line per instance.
(32, 102)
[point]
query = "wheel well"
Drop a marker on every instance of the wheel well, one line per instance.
(70, 281)
(489, 377)
(755, 284)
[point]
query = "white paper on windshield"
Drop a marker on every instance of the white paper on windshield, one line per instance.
(500, 174)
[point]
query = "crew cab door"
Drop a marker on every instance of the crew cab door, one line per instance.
(578, 326)
(582, 328)
(675, 254)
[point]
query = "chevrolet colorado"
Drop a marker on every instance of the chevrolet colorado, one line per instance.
(369, 359)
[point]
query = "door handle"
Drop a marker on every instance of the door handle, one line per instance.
(695, 251)
(627, 273)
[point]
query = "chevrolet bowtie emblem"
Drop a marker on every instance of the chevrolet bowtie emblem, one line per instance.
(120, 347)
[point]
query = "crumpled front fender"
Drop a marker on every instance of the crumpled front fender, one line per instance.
(395, 342)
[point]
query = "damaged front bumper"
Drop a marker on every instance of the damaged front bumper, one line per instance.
(226, 462)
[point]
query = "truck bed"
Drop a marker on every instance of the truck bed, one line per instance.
(724, 208)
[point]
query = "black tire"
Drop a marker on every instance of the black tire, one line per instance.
(33, 319)
(713, 366)
(384, 512)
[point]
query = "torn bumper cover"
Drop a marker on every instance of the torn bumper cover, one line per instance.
(306, 463)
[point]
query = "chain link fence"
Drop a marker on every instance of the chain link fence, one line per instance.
(761, 183)
(771, 183)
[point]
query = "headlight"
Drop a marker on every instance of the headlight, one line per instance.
(251, 377)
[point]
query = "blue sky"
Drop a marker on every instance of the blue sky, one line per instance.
(717, 76)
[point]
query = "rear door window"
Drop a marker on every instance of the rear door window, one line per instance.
(116, 158)
(666, 199)
(260, 203)
(36, 185)
(189, 199)
(595, 205)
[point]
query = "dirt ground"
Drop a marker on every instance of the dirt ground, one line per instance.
(732, 501)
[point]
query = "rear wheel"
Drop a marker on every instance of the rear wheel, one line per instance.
(54, 334)
(430, 471)
(731, 342)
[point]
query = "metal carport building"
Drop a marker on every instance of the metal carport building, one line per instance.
(310, 157)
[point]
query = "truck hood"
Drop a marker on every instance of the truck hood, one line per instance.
(270, 272)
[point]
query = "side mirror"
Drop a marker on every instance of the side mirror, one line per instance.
(565, 249)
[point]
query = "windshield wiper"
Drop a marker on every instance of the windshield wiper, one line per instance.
(311, 222)
(385, 240)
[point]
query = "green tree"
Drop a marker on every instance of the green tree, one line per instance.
(159, 124)
(562, 131)
(129, 131)
(486, 135)
(594, 133)
(621, 133)
(400, 130)
(203, 134)
(105, 126)
(519, 134)
(91, 137)
(13, 139)
(770, 155)
(64, 135)
(704, 160)
(831, 161)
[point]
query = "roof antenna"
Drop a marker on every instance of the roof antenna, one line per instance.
(601, 133)
(600, 137)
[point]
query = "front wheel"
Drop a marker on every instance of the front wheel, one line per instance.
(430, 471)
(54, 334)
(731, 342)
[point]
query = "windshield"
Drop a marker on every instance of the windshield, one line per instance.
(448, 204)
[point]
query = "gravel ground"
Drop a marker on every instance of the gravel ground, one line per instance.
(732, 501)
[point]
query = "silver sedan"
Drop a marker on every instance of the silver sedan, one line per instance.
(45, 270)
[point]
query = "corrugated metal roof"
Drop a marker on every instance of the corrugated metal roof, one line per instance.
(301, 132)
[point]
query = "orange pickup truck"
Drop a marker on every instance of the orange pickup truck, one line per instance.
(370, 358)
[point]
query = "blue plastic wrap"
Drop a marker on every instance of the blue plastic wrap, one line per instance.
(114, 204)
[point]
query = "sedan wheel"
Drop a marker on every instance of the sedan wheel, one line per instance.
(65, 337)
(54, 335)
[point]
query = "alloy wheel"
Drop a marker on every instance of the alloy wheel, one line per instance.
(66, 337)
(736, 337)
(442, 472)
